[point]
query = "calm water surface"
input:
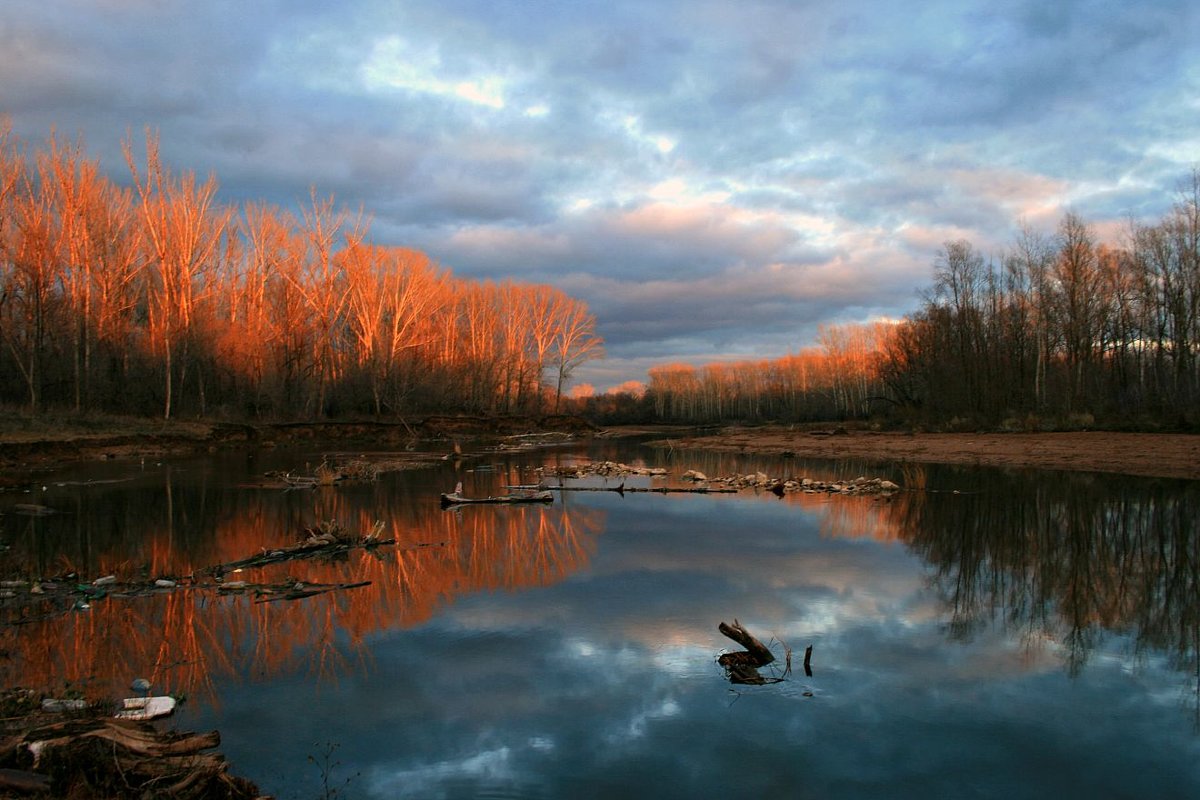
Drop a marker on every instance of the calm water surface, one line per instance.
(996, 634)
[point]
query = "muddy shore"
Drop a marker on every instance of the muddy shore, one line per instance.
(25, 447)
(1159, 455)
(31, 445)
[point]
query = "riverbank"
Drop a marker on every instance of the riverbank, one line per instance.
(31, 443)
(37, 443)
(1158, 455)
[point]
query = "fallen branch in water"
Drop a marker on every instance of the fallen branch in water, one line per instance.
(299, 589)
(622, 489)
(757, 652)
(325, 539)
(742, 666)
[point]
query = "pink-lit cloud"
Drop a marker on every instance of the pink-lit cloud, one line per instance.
(714, 179)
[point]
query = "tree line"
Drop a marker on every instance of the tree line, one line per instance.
(1059, 329)
(156, 298)
(835, 380)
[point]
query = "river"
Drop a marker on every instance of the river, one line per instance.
(983, 633)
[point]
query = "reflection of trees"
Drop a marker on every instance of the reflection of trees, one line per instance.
(185, 639)
(1066, 558)
(1060, 558)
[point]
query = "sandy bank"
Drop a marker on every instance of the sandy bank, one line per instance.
(1163, 455)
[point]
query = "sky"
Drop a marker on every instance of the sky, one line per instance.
(715, 178)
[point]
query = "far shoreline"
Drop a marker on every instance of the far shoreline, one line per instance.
(1152, 455)
(40, 445)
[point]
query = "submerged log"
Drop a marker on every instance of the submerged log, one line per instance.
(756, 653)
(742, 666)
(322, 540)
(456, 498)
(684, 490)
(622, 489)
(299, 589)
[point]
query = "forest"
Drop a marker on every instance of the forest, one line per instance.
(156, 299)
(1061, 330)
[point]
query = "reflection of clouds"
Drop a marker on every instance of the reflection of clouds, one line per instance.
(604, 684)
(636, 726)
(426, 780)
(682, 576)
(597, 677)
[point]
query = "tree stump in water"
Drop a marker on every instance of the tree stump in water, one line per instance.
(742, 666)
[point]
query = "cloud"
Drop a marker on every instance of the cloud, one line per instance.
(734, 146)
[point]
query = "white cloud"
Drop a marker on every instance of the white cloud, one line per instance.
(818, 155)
(393, 63)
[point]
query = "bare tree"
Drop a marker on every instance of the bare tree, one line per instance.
(575, 342)
(183, 227)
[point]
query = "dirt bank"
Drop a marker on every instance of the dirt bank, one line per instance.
(1162, 455)
(26, 444)
(45, 441)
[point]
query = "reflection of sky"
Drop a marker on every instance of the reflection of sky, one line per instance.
(605, 684)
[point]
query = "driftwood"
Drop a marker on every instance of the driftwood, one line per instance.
(756, 650)
(138, 740)
(24, 602)
(742, 666)
(299, 589)
(456, 498)
(622, 489)
(99, 757)
(678, 490)
(326, 539)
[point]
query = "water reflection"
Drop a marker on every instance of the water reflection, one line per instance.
(1066, 560)
(188, 639)
(946, 619)
(1058, 558)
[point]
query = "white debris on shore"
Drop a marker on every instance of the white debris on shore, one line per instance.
(604, 468)
(755, 480)
(859, 485)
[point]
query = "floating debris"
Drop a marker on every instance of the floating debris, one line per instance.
(56, 705)
(91, 754)
(754, 480)
(782, 486)
(603, 468)
(456, 498)
(145, 708)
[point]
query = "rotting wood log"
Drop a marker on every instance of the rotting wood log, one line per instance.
(622, 489)
(305, 551)
(97, 756)
(745, 674)
(305, 590)
(741, 666)
(758, 653)
(684, 490)
(149, 743)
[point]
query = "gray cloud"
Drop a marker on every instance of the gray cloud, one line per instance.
(739, 147)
